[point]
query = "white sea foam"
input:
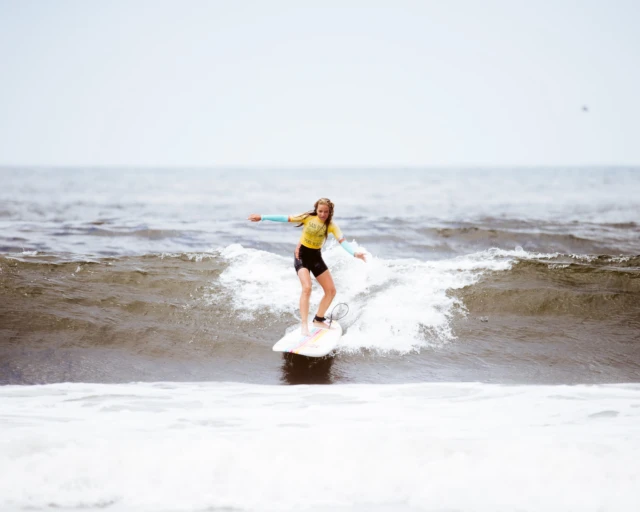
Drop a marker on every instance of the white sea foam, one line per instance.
(258, 280)
(398, 305)
(420, 447)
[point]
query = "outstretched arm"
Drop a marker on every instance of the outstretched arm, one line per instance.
(256, 217)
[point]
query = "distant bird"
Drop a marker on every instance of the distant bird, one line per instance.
(585, 108)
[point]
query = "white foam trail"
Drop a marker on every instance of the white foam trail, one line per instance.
(424, 447)
(399, 305)
(258, 280)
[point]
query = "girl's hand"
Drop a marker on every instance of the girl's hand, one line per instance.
(254, 217)
(361, 256)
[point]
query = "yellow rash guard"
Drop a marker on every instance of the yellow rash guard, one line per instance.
(313, 231)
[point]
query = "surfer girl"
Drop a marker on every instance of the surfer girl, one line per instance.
(316, 226)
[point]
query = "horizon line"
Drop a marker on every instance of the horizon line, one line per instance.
(291, 167)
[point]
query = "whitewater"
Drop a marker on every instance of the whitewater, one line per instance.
(230, 446)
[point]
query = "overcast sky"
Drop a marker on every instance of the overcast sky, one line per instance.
(289, 83)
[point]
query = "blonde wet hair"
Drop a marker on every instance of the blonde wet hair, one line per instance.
(324, 201)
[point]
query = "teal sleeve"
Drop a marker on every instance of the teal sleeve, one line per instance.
(275, 218)
(347, 247)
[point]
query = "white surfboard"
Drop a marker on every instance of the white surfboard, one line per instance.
(319, 342)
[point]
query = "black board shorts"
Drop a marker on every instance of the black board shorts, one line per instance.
(310, 259)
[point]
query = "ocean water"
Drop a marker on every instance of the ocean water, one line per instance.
(490, 361)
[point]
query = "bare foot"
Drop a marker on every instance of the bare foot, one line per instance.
(305, 330)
